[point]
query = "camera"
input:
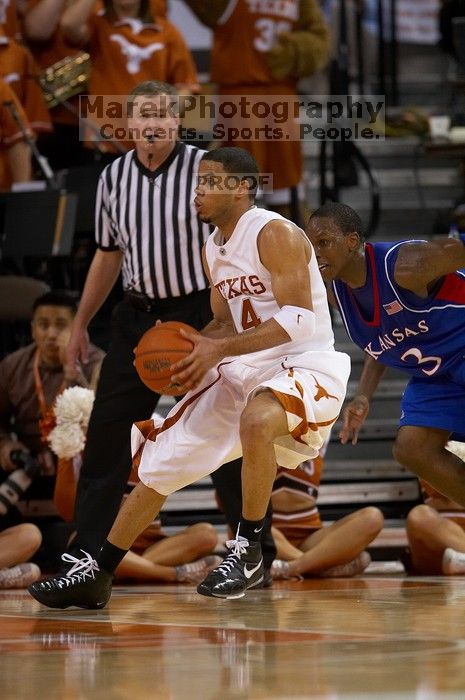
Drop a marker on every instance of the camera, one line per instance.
(17, 483)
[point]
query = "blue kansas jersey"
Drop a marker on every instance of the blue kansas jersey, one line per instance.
(423, 337)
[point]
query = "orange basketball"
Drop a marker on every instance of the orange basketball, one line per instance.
(158, 349)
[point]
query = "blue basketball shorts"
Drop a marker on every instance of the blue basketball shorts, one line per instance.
(434, 403)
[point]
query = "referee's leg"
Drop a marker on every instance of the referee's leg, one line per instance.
(121, 399)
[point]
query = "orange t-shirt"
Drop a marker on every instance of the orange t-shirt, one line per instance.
(9, 18)
(127, 52)
(46, 53)
(246, 30)
(9, 131)
(17, 68)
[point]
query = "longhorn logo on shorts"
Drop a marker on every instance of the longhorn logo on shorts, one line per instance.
(322, 393)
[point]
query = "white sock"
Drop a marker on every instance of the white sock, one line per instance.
(453, 562)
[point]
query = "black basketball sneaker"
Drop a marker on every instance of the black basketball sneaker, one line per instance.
(240, 570)
(83, 585)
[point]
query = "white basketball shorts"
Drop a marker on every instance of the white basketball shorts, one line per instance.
(202, 431)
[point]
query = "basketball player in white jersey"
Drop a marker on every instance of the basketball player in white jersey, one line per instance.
(263, 380)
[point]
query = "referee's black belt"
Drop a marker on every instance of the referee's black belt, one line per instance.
(142, 302)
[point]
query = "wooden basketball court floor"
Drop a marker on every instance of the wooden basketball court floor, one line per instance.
(385, 637)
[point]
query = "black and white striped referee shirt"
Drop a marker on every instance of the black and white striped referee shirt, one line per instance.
(150, 217)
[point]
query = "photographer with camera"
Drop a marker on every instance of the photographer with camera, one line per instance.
(30, 380)
(20, 542)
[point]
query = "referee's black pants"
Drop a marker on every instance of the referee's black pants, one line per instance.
(121, 399)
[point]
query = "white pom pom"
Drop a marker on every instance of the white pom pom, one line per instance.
(67, 440)
(74, 406)
(72, 412)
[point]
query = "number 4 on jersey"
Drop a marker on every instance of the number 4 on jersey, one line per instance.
(249, 317)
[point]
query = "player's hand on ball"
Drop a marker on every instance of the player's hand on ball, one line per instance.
(354, 416)
(190, 371)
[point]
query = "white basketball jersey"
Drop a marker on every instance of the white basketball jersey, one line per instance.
(240, 277)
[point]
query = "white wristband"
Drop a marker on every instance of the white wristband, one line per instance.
(299, 323)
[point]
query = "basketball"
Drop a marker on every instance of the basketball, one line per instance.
(158, 349)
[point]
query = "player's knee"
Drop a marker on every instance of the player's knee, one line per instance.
(418, 449)
(373, 521)
(259, 426)
(205, 536)
(409, 451)
(28, 539)
(421, 519)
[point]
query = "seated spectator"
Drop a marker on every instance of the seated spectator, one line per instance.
(436, 532)
(305, 547)
(17, 545)
(15, 154)
(30, 380)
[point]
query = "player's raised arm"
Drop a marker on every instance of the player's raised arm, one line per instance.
(420, 264)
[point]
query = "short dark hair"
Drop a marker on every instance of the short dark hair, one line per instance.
(237, 161)
(344, 216)
(55, 299)
(145, 13)
(153, 87)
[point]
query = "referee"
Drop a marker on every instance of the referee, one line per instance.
(146, 227)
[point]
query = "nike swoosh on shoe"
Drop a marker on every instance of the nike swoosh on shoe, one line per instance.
(248, 573)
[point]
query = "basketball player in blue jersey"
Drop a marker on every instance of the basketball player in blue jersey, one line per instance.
(403, 303)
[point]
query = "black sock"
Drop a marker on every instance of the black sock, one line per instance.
(110, 556)
(251, 529)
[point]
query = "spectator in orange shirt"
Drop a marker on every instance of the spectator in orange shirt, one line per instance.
(18, 69)
(45, 38)
(42, 31)
(15, 155)
(128, 47)
(264, 48)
